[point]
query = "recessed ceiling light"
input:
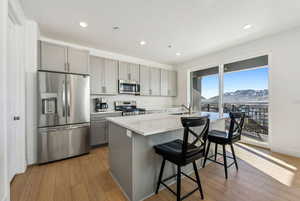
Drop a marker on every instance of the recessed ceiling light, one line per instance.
(116, 28)
(169, 46)
(143, 42)
(248, 26)
(83, 24)
(178, 54)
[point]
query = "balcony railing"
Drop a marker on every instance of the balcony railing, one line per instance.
(256, 122)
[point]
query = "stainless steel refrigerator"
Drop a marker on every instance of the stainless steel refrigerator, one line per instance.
(63, 115)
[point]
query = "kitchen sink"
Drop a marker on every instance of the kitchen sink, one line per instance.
(180, 113)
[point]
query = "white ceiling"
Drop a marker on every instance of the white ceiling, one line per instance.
(192, 27)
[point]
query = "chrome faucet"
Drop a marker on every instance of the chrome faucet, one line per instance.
(188, 108)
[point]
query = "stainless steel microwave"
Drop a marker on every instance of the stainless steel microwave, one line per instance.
(129, 87)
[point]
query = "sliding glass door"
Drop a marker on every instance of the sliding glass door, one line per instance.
(244, 87)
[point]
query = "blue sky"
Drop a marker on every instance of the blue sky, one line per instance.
(247, 79)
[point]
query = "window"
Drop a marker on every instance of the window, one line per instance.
(205, 91)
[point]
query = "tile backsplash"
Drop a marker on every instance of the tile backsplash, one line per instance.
(148, 102)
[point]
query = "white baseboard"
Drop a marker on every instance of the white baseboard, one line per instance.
(285, 151)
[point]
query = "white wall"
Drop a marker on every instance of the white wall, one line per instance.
(32, 36)
(284, 78)
(4, 187)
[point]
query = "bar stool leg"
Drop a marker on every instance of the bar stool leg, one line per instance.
(160, 175)
(216, 151)
(198, 179)
(225, 160)
(178, 183)
(234, 158)
(206, 153)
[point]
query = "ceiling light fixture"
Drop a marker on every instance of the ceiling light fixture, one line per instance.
(178, 54)
(169, 46)
(116, 28)
(83, 24)
(248, 26)
(143, 42)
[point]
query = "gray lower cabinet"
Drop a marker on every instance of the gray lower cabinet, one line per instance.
(59, 58)
(104, 75)
(99, 128)
(98, 133)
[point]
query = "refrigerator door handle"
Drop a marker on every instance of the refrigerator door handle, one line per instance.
(68, 97)
(63, 99)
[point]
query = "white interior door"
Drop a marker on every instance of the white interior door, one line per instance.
(15, 100)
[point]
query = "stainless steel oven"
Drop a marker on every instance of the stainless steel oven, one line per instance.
(129, 87)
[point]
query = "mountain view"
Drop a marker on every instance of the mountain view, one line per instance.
(241, 96)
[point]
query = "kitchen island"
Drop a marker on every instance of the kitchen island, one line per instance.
(133, 162)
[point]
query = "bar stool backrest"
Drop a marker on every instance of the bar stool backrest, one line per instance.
(236, 124)
(199, 143)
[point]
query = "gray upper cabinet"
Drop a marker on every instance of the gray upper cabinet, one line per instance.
(164, 83)
(155, 81)
(172, 83)
(123, 70)
(145, 80)
(97, 74)
(78, 61)
(104, 75)
(53, 57)
(111, 76)
(134, 72)
(150, 81)
(168, 83)
(129, 71)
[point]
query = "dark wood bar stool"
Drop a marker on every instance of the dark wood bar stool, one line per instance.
(182, 152)
(226, 138)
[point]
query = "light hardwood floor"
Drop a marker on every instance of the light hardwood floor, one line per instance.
(262, 176)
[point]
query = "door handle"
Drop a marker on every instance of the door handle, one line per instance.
(16, 118)
(63, 99)
(68, 98)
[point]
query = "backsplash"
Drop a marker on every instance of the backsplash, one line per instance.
(147, 102)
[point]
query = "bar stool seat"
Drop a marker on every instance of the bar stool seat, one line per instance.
(172, 151)
(222, 137)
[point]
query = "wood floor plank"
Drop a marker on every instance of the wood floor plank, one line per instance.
(87, 178)
(31, 189)
(47, 187)
(62, 191)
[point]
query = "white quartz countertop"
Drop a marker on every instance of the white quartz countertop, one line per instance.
(150, 124)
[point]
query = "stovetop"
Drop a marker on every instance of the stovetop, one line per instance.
(129, 108)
